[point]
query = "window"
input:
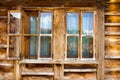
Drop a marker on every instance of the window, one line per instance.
(72, 35)
(45, 34)
(14, 31)
(80, 35)
(37, 35)
(87, 34)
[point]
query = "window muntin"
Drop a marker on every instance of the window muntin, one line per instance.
(87, 34)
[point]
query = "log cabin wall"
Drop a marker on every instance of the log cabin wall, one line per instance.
(112, 27)
(16, 64)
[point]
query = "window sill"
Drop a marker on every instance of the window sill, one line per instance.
(39, 61)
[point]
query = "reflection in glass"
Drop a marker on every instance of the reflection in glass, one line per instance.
(87, 22)
(72, 23)
(14, 48)
(45, 47)
(33, 25)
(87, 47)
(46, 23)
(72, 47)
(15, 22)
(33, 48)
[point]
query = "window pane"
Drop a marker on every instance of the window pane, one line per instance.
(33, 46)
(46, 23)
(15, 22)
(72, 23)
(87, 47)
(45, 47)
(14, 48)
(87, 22)
(72, 47)
(33, 24)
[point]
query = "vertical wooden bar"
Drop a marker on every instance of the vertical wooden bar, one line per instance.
(94, 36)
(16, 70)
(59, 27)
(39, 34)
(8, 34)
(101, 70)
(52, 38)
(80, 34)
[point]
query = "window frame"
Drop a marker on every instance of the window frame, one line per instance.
(45, 35)
(16, 35)
(73, 35)
(94, 36)
(52, 35)
(79, 35)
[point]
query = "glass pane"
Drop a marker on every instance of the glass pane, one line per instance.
(33, 25)
(87, 47)
(15, 22)
(45, 47)
(72, 47)
(33, 46)
(87, 22)
(14, 47)
(46, 23)
(72, 23)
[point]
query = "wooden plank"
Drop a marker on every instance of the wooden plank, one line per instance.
(112, 24)
(79, 70)
(112, 13)
(80, 62)
(58, 8)
(31, 1)
(112, 69)
(34, 61)
(112, 33)
(59, 72)
(3, 46)
(101, 52)
(6, 64)
(2, 17)
(16, 70)
(37, 73)
(112, 57)
(59, 25)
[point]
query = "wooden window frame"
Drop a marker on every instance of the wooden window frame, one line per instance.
(45, 35)
(73, 35)
(79, 35)
(38, 35)
(94, 36)
(14, 35)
